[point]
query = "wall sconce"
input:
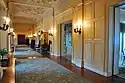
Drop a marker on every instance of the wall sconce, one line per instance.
(77, 29)
(7, 20)
(34, 35)
(4, 27)
(30, 36)
(39, 33)
(11, 29)
(11, 32)
(50, 33)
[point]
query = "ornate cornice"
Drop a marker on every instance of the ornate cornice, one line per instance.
(30, 8)
(2, 6)
(45, 3)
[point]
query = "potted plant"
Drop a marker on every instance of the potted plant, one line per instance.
(4, 62)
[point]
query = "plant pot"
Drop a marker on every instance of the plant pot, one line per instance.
(4, 62)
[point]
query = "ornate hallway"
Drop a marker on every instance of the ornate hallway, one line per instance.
(9, 74)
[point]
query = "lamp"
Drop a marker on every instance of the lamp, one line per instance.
(77, 29)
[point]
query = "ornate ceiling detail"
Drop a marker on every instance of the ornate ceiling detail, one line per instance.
(2, 8)
(36, 2)
(2, 5)
(31, 9)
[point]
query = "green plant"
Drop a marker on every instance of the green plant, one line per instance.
(3, 52)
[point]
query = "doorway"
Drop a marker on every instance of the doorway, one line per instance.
(66, 40)
(119, 41)
(21, 39)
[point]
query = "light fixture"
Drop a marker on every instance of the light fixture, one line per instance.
(77, 29)
(7, 20)
(39, 33)
(5, 26)
(11, 29)
(30, 36)
(11, 32)
(34, 34)
(50, 33)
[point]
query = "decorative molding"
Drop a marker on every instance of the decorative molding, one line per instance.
(77, 64)
(45, 3)
(64, 12)
(31, 9)
(2, 6)
(89, 67)
(2, 2)
(54, 54)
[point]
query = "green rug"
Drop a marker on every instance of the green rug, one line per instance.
(44, 70)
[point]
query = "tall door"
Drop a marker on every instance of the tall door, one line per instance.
(94, 34)
(21, 39)
(116, 40)
(66, 40)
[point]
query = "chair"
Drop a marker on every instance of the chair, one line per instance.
(38, 47)
(32, 44)
(45, 49)
(27, 41)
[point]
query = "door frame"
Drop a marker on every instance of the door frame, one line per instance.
(63, 23)
(18, 38)
(112, 58)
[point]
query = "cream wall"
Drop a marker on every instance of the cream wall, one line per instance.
(94, 36)
(95, 32)
(77, 38)
(98, 53)
(23, 29)
(3, 39)
(3, 34)
(65, 16)
(109, 34)
(46, 24)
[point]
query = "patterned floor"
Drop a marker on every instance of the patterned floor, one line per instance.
(44, 70)
(21, 52)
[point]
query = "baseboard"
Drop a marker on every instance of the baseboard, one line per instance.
(77, 64)
(89, 67)
(54, 54)
(96, 70)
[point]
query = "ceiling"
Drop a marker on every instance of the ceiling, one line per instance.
(2, 6)
(28, 11)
